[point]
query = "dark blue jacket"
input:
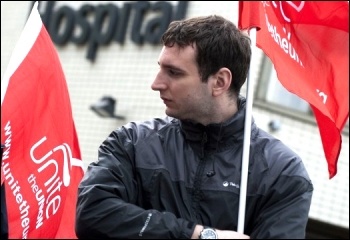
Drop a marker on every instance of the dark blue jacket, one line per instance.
(155, 179)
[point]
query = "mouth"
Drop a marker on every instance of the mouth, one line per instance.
(166, 101)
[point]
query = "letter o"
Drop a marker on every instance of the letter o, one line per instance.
(67, 14)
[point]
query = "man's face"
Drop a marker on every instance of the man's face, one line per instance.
(179, 84)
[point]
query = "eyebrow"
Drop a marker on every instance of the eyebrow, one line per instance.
(171, 67)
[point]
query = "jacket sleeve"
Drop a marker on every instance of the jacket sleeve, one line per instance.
(284, 210)
(107, 197)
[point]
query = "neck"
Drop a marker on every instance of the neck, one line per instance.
(221, 112)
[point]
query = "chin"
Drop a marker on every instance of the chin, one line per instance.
(170, 113)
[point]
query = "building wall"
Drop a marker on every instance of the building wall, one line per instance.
(126, 71)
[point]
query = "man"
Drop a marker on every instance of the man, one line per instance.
(179, 176)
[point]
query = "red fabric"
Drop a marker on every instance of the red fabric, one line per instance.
(41, 164)
(308, 43)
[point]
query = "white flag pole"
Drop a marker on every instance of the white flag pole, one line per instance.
(246, 141)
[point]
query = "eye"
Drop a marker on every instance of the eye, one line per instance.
(174, 73)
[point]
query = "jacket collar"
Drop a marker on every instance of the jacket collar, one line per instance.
(218, 135)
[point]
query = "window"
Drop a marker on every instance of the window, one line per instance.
(278, 94)
(271, 95)
(272, 92)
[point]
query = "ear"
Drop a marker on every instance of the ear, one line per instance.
(222, 81)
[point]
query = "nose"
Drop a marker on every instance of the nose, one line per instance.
(158, 83)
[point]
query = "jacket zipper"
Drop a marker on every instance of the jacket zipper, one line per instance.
(198, 180)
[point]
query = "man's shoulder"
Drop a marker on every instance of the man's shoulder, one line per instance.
(152, 123)
(277, 156)
(271, 144)
(148, 127)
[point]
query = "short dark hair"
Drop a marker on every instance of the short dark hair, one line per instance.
(219, 43)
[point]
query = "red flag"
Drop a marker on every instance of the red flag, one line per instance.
(41, 163)
(308, 43)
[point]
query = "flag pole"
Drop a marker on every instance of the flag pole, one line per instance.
(246, 141)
